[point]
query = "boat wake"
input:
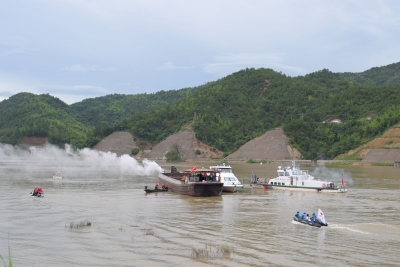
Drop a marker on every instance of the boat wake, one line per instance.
(380, 229)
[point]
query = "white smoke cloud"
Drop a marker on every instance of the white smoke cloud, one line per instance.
(323, 173)
(91, 160)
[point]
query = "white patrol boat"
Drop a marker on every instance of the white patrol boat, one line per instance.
(297, 179)
(231, 182)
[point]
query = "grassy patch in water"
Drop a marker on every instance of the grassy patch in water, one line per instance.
(83, 223)
(148, 231)
(211, 252)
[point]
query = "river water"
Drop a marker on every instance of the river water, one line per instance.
(130, 228)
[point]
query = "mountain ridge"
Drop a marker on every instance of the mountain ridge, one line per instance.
(225, 114)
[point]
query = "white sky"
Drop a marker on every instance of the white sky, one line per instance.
(78, 49)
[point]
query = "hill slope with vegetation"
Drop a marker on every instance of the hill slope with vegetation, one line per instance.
(30, 115)
(378, 76)
(113, 108)
(224, 114)
(230, 112)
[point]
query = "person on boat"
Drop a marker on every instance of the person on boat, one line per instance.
(314, 217)
(163, 186)
(34, 193)
(303, 216)
(308, 217)
(298, 214)
(156, 186)
(38, 191)
(219, 178)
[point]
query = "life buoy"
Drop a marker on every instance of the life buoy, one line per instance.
(323, 185)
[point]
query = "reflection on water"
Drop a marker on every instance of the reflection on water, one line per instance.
(132, 228)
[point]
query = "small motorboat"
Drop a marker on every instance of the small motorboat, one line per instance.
(155, 189)
(57, 176)
(37, 192)
(319, 221)
(309, 222)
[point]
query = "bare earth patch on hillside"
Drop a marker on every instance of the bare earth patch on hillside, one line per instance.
(183, 141)
(34, 141)
(207, 151)
(382, 149)
(187, 145)
(273, 145)
(393, 132)
(119, 143)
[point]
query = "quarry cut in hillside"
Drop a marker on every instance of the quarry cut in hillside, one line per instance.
(186, 143)
(119, 143)
(273, 145)
(382, 149)
(183, 141)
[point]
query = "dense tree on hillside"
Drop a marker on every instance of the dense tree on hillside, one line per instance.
(29, 115)
(113, 108)
(378, 76)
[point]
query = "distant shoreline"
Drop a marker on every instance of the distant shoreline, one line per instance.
(312, 162)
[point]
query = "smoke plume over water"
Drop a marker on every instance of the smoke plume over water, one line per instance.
(92, 160)
(323, 173)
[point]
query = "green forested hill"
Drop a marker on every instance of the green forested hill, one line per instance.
(113, 108)
(386, 75)
(230, 112)
(26, 115)
(224, 114)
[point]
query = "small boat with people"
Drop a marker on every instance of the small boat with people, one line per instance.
(156, 189)
(37, 192)
(57, 176)
(193, 182)
(314, 220)
(293, 178)
(226, 176)
(258, 183)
